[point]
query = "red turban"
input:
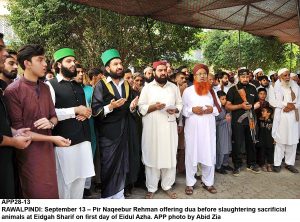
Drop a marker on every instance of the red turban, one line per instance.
(157, 63)
(200, 66)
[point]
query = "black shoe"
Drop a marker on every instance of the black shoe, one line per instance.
(291, 168)
(276, 169)
(236, 172)
(221, 171)
(87, 193)
(253, 169)
(228, 168)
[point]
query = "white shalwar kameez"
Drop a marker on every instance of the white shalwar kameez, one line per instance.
(285, 127)
(159, 137)
(74, 163)
(200, 137)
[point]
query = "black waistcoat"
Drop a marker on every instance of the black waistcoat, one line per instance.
(70, 94)
(110, 126)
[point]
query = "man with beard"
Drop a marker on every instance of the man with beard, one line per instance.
(148, 74)
(239, 103)
(74, 164)
(200, 106)
(160, 104)
(113, 104)
(224, 81)
(9, 72)
(8, 140)
(29, 106)
(285, 99)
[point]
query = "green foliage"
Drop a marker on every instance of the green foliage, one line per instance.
(221, 49)
(90, 31)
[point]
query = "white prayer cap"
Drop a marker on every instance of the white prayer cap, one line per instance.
(281, 71)
(272, 73)
(293, 74)
(147, 69)
(257, 71)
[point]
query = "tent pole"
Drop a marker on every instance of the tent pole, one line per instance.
(298, 12)
(291, 55)
(239, 48)
(150, 39)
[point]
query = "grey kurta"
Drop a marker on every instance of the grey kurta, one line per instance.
(223, 128)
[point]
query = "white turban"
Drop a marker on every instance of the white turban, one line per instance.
(281, 71)
(257, 71)
(147, 69)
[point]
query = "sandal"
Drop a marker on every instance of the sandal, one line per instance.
(291, 168)
(269, 168)
(149, 195)
(189, 190)
(210, 189)
(171, 194)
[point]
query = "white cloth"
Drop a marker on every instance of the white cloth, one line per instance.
(75, 161)
(286, 151)
(119, 195)
(72, 190)
(285, 127)
(159, 137)
(61, 113)
(199, 131)
(208, 174)
(153, 175)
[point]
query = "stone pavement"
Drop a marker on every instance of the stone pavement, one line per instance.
(266, 185)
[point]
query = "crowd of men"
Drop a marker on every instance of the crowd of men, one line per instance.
(65, 130)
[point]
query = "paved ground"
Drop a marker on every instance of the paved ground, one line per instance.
(283, 185)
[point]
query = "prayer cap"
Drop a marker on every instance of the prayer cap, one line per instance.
(281, 71)
(157, 63)
(147, 69)
(62, 53)
(293, 74)
(200, 66)
(109, 55)
(257, 71)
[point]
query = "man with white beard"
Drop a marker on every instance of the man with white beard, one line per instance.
(285, 99)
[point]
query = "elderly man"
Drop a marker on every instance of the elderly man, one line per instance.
(200, 106)
(285, 99)
(160, 103)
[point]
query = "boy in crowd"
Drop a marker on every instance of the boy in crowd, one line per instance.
(223, 129)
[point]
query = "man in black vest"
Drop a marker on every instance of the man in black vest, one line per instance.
(112, 105)
(75, 163)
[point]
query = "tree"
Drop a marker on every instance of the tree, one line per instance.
(90, 31)
(221, 49)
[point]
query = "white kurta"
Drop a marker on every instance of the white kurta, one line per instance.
(285, 127)
(199, 131)
(159, 137)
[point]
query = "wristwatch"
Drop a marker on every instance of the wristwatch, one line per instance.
(52, 124)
